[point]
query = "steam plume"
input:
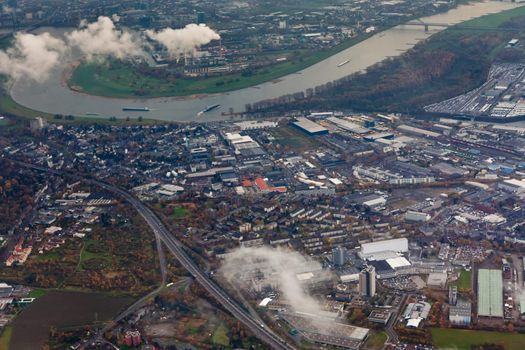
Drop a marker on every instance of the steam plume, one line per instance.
(185, 40)
(32, 56)
(274, 265)
(101, 38)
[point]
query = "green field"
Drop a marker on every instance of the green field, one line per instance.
(376, 340)
(37, 293)
(220, 336)
(464, 281)
(179, 212)
(464, 339)
(89, 252)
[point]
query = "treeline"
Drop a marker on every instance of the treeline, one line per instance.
(448, 64)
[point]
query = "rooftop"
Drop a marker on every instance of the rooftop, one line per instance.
(490, 293)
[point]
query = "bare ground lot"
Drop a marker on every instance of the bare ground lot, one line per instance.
(61, 309)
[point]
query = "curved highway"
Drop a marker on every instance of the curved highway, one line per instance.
(260, 330)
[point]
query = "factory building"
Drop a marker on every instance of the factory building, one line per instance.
(461, 313)
(379, 248)
(309, 127)
(367, 281)
(416, 216)
(416, 312)
(490, 293)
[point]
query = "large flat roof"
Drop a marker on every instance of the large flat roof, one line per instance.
(309, 126)
(348, 125)
(490, 293)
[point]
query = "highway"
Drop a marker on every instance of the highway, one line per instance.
(176, 248)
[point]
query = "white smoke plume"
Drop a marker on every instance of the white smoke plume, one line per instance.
(184, 40)
(32, 56)
(277, 265)
(101, 38)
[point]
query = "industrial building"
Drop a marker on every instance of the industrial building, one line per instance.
(367, 281)
(416, 216)
(335, 334)
(379, 316)
(390, 247)
(416, 131)
(490, 293)
(348, 125)
(416, 312)
(309, 127)
(461, 313)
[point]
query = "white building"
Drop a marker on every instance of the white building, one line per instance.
(415, 216)
(398, 245)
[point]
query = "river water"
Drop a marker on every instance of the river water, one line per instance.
(53, 96)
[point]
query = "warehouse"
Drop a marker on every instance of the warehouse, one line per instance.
(348, 125)
(309, 127)
(379, 248)
(460, 314)
(490, 293)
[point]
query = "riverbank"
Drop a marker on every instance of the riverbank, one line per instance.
(446, 65)
(11, 109)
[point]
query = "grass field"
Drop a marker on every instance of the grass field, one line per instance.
(37, 293)
(464, 281)
(464, 339)
(86, 254)
(220, 336)
(5, 338)
(179, 212)
(376, 340)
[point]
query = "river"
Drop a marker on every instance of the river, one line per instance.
(53, 96)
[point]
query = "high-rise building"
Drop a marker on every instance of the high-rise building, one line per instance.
(339, 256)
(367, 281)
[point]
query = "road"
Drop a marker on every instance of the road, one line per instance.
(392, 338)
(175, 247)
